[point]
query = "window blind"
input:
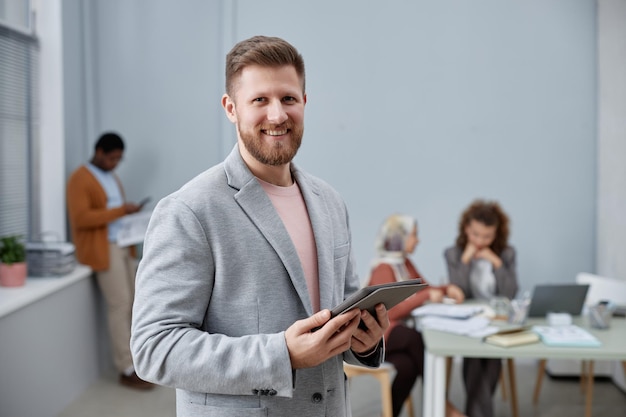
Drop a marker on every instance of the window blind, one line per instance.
(19, 121)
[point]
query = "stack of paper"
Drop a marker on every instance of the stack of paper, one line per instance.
(447, 310)
(474, 326)
(565, 336)
(459, 319)
(132, 229)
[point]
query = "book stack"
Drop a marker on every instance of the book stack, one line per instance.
(49, 259)
(459, 319)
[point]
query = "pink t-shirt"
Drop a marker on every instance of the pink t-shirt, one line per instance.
(289, 204)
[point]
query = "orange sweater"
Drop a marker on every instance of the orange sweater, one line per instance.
(89, 218)
(383, 274)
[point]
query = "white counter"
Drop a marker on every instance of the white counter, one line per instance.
(50, 343)
(14, 298)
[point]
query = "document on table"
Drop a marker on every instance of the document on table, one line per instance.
(564, 336)
(447, 310)
(133, 228)
(476, 326)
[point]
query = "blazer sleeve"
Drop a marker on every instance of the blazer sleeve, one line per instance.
(458, 272)
(169, 341)
(506, 275)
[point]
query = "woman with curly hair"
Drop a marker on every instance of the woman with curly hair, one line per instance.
(404, 347)
(483, 265)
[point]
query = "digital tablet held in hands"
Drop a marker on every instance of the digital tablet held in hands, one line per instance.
(389, 294)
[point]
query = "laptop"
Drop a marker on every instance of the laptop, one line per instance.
(557, 298)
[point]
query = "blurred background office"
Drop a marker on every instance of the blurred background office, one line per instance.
(412, 105)
(440, 94)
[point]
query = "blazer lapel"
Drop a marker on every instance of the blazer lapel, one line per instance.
(323, 232)
(256, 204)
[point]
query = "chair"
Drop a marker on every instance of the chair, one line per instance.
(600, 288)
(383, 375)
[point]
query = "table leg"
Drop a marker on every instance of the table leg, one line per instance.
(434, 385)
(429, 382)
(589, 388)
(502, 382)
(540, 372)
(512, 387)
(449, 363)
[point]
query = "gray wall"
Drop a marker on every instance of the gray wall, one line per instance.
(611, 209)
(148, 70)
(417, 107)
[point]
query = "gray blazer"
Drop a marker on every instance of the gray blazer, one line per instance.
(218, 284)
(506, 275)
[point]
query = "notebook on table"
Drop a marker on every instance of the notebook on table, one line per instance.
(557, 298)
(566, 336)
(515, 337)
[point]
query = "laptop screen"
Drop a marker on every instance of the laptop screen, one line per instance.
(557, 298)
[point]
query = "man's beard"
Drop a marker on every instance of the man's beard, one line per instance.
(275, 154)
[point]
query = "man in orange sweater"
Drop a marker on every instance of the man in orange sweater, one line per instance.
(96, 202)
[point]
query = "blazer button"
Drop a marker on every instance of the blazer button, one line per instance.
(316, 398)
(273, 392)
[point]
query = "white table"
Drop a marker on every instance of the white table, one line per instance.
(440, 345)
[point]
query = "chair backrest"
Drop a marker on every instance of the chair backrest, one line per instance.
(603, 288)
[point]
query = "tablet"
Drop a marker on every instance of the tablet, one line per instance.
(389, 294)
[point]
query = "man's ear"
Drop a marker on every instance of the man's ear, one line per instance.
(229, 108)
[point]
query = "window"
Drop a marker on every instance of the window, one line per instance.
(19, 121)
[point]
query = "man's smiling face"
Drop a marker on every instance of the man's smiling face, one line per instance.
(268, 111)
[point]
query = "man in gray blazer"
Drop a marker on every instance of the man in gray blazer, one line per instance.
(242, 264)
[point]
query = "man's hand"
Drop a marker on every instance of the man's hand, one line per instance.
(309, 347)
(363, 341)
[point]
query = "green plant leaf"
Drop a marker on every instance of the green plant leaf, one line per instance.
(12, 250)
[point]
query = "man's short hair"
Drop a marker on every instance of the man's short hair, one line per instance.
(264, 51)
(110, 141)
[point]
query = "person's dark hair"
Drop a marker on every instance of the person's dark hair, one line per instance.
(109, 141)
(488, 213)
(264, 51)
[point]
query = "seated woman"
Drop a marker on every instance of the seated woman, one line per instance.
(482, 264)
(404, 347)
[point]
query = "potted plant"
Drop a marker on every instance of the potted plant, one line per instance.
(13, 269)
